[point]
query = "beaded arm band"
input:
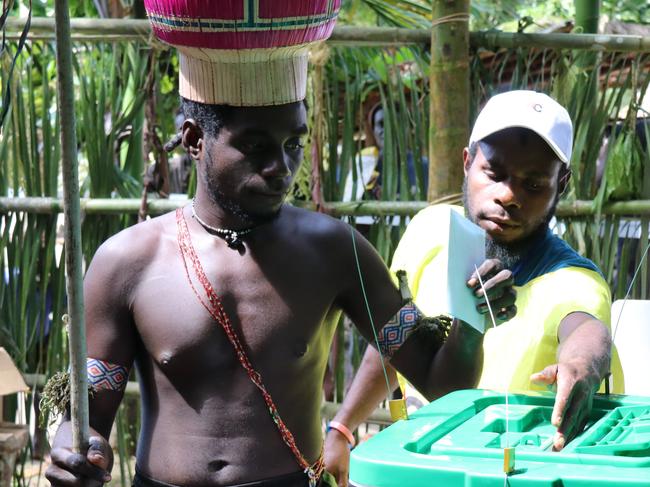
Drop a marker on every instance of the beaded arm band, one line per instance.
(344, 430)
(104, 375)
(393, 335)
(406, 321)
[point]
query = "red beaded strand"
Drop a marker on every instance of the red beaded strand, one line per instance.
(217, 311)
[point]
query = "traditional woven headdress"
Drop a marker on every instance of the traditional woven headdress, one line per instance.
(243, 52)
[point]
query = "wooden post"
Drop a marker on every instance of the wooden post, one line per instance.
(13, 438)
(449, 96)
(72, 229)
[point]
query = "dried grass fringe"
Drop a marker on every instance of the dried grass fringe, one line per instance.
(55, 398)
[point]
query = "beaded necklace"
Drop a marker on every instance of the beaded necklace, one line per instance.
(233, 238)
(217, 311)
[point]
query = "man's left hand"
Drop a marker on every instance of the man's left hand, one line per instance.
(575, 382)
(498, 285)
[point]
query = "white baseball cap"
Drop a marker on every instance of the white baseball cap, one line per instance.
(531, 110)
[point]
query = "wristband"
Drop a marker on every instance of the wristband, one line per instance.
(344, 430)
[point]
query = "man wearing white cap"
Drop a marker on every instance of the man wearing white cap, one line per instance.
(516, 167)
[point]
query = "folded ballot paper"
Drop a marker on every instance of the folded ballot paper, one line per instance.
(466, 251)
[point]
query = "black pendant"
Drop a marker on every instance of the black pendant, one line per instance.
(233, 240)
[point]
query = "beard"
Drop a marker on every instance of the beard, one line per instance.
(511, 253)
(229, 205)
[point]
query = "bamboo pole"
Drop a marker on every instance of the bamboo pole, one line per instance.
(586, 22)
(449, 96)
(493, 40)
(84, 26)
(122, 30)
(99, 206)
(72, 230)
(378, 36)
(95, 206)
(587, 15)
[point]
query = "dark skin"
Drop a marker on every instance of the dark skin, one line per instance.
(204, 422)
(512, 185)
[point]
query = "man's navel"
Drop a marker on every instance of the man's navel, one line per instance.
(217, 465)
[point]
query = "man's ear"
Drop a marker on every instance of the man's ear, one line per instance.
(564, 178)
(466, 160)
(192, 138)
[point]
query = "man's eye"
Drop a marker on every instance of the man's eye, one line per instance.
(534, 185)
(295, 145)
(252, 146)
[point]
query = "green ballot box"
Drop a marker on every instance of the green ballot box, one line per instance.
(459, 441)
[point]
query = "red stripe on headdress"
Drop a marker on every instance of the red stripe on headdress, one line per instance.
(227, 24)
(251, 40)
(234, 9)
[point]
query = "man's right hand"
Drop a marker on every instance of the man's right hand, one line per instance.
(337, 457)
(73, 469)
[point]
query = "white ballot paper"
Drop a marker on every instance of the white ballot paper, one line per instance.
(466, 249)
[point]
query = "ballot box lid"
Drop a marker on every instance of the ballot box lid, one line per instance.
(459, 440)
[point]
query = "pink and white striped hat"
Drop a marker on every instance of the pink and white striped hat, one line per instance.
(243, 52)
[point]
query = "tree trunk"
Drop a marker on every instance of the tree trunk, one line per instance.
(449, 98)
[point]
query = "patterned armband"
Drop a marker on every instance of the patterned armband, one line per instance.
(104, 375)
(393, 335)
(408, 320)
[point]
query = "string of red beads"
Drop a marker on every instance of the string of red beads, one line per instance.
(216, 310)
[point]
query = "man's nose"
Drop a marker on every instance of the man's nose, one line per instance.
(278, 166)
(506, 194)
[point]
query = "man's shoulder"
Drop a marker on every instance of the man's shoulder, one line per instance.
(437, 212)
(577, 274)
(135, 246)
(426, 232)
(433, 217)
(570, 283)
(549, 255)
(567, 290)
(315, 225)
(563, 256)
(328, 237)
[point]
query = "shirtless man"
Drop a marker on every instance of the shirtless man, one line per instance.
(204, 422)
(227, 308)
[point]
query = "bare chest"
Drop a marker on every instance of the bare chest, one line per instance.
(277, 311)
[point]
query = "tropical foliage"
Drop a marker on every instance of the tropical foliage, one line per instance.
(131, 101)
(508, 15)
